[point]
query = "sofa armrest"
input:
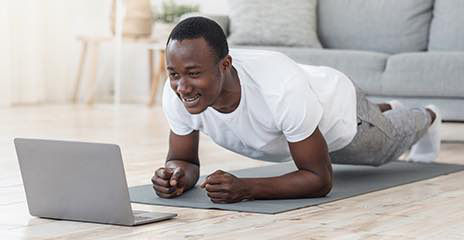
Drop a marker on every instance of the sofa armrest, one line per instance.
(222, 20)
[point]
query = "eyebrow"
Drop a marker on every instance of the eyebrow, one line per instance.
(188, 67)
(193, 66)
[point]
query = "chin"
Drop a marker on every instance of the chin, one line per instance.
(196, 110)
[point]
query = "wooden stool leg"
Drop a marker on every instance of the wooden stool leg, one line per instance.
(93, 79)
(80, 68)
(156, 78)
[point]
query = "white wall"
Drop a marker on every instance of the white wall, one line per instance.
(26, 61)
(40, 47)
(5, 65)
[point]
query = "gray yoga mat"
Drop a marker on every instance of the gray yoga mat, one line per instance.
(348, 181)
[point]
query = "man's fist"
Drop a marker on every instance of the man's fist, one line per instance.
(167, 182)
(223, 187)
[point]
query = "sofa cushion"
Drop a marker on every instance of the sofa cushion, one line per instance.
(364, 68)
(447, 28)
(431, 74)
(275, 23)
(390, 26)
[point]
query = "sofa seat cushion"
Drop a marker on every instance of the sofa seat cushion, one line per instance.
(364, 68)
(431, 74)
(447, 28)
(390, 26)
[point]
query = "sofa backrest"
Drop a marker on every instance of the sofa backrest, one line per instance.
(390, 26)
(447, 28)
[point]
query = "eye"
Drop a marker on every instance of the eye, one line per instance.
(194, 74)
(173, 75)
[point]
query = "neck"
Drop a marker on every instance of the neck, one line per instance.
(229, 98)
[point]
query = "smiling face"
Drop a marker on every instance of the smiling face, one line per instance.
(194, 73)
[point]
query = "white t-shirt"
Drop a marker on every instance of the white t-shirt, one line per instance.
(281, 101)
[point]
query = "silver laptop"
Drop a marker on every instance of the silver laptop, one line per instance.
(78, 181)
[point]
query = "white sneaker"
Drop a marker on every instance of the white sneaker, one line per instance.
(428, 147)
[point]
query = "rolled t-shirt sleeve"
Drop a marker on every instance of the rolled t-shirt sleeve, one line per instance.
(178, 118)
(298, 110)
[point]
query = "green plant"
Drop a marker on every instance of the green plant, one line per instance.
(171, 11)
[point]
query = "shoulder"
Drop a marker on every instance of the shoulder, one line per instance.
(254, 56)
(267, 70)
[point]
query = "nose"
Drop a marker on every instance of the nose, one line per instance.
(183, 87)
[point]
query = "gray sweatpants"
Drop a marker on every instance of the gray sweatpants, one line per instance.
(382, 137)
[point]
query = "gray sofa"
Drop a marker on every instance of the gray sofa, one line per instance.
(412, 50)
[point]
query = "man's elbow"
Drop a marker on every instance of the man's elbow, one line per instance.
(324, 189)
(317, 185)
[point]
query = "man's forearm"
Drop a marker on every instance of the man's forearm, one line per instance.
(298, 184)
(191, 170)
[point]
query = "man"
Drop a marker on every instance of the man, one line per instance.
(263, 105)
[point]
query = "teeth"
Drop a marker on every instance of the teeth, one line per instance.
(192, 99)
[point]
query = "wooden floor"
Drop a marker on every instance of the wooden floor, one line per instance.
(431, 209)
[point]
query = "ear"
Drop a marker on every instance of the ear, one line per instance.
(226, 63)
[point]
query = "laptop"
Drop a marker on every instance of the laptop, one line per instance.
(78, 181)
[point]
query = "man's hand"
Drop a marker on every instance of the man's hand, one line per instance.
(223, 187)
(167, 182)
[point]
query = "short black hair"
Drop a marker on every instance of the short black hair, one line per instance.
(201, 27)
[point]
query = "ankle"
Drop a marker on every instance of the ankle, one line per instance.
(433, 115)
(384, 107)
